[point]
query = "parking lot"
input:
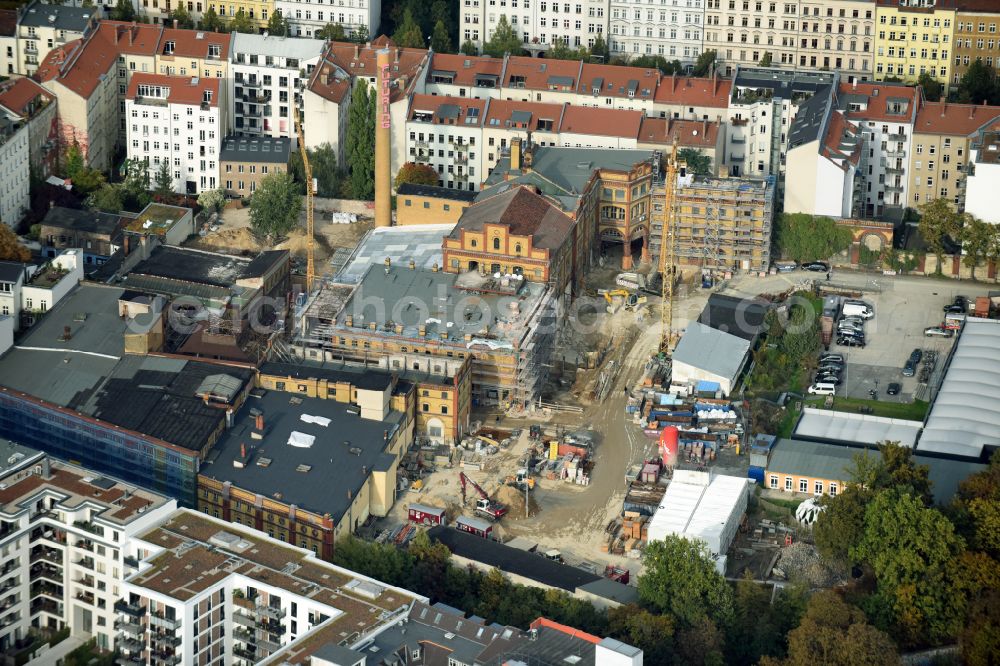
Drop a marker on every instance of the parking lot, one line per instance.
(903, 309)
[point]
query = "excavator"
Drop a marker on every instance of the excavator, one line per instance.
(520, 480)
(631, 299)
(484, 505)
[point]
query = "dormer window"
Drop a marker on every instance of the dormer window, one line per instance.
(168, 48)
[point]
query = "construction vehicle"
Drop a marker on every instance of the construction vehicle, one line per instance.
(618, 574)
(520, 480)
(484, 505)
(668, 249)
(310, 193)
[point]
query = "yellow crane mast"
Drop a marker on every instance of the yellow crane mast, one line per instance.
(310, 224)
(668, 257)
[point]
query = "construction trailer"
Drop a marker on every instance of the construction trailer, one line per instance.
(426, 515)
(480, 528)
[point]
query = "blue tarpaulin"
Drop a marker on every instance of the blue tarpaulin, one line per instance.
(707, 387)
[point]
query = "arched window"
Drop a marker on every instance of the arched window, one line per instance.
(496, 243)
(517, 249)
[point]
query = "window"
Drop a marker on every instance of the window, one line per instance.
(788, 483)
(833, 489)
(773, 482)
(818, 488)
(803, 485)
(496, 243)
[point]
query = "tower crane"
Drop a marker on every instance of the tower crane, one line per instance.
(668, 253)
(310, 223)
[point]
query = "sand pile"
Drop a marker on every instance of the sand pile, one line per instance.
(514, 499)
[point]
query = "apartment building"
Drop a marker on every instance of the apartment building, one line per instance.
(305, 17)
(245, 161)
(673, 30)
(507, 120)
(42, 27)
(447, 136)
(179, 120)
(194, 53)
(464, 76)
(943, 138)
(540, 23)
(328, 94)
(81, 76)
(914, 38)
(137, 45)
(65, 538)
(742, 31)
(8, 42)
(264, 597)
(258, 11)
(94, 232)
(886, 114)
(15, 154)
(976, 36)
(982, 197)
(708, 138)
(690, 98)
(12, 276)
(762, 108)
(838, 35)
(267, 77)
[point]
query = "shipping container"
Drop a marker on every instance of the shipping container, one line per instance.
(982, 308)
(757, 474)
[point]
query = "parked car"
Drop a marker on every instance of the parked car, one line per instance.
(857, 309)
(910, 368)
(916, 355)
(829, 370)
(828, 379)
(955, 309)
(848, 341)
(816, 267)
(827, 356)
(938, 331)
(785, 266)
(893, 388)
(822, 388)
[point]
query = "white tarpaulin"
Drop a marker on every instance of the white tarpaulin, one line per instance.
(301, 440)
(318, 420)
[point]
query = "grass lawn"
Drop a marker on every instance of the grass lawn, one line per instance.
(913, 411)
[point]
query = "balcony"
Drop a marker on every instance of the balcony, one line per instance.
(41, 587)
(134, 610)
(10, 566)
(46, 555)
(165, 657)
(130, 626)
(85, 544)
(85, 562)
(271, 626)
(243, 620)
(45, 514)
(895, 154)
(268, 644)
(422, 144)
(43, 570)
(897, 137)
(249, 83)
(49, 534)
(131, 561)
(158, 620)
(738, 140)
(461, 147)
(252, 112)
(46, 606)
(86, 524)
(169, 640)
(9, 583)
(271, 611)
(461, 159)
(243, 653)
(244, 636)
(893, 188)
(85, 597)
(126, 642)
(895, 171)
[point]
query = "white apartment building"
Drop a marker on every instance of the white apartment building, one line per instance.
(65, 534)
(982, 196)
(673, 29)
(538, 22)
(267, 75)
(210, 591)
(180, 120)
(42, 27)
(446, 133)
(15, 153)
(305, 17)
(12, 276)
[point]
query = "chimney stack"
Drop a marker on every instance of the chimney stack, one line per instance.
(383, 146)
(357, 51)
(515, 153)
(259, 422)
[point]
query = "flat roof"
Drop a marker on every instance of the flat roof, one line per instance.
(87, 221)
(421, 244)
(157, 218)
(435, 192)
(340, 458)
(301, 48)
(59, 17)
(783, 82)
(14, 455)
(965, 417)
(211, 268)
(372, 379)
(742, 317)
(814, 459)
(830, 425)
(711, 350)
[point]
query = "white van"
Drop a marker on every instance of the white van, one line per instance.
(857, 309)
(823, 388)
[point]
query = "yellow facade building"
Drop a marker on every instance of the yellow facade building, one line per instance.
(910, 41)
(430, 204)
(976, 36)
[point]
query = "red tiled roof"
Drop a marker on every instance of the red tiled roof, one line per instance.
(524, 212)
(17, 95)
(466, 67)
(954, 119)
(689, 133)
(978, 6)
(602, 122)
(433, 104)
(838, 128)
(194, 43)
(613, 81)
(712, 92)
(351, 60)
(183, 89)
(8, 22)
(80, 64)
(542, 74)
(878, 95)
(134, 38)
(501, 110)
(570, 631)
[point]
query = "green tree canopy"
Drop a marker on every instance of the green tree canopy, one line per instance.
(976, 508)
(562, 51)
(361, 141)
(212, 200)
(979, 84)
(210, 21)
(164, 184)
(980, 241)
(468, 48)
(697, 162)
(704, 63)
(109, 198)
(10, 247)
(242, 23)
(323, 160)
(681, 580)
(932, 87)
(277, 25)
(803, 237)
(440, 39)
(360, 34)
(938, 222)
(274, 208)
(503, 41)
(182, 16)
(600, 48)
(136, 184)
(122, 11)
(333, 32)
(765, 60)
(409, 34)
(416, 173)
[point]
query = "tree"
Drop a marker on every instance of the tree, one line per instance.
(361, 141)
(274, 208)
(416, 173)
(323, 160)
(979, 84)
(980, 241)
(72, 160)
(919, 594)
(277, 25)
(836, 633)
(182, 16)
(164, 185)
(135, 186)
(242, 23)
(932, 87)
(503, 41)
(765, 60)
(110, 198)
(210, 21)
(560, 50)
(600, 49)
(468, 48)
(704, 63)
(697, 162)
(10, 247)
(636, 626)
(333, 32)
(976, 509)
(759, 626)
(360, 34)
(409, 34)
(212, 200)
(681, 580)
(122, 11)
(803, 237)
(440, 40)
(938, 221)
